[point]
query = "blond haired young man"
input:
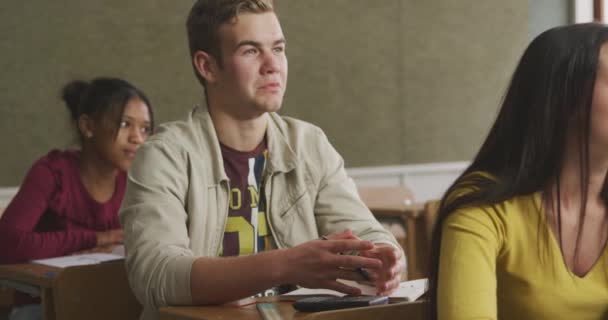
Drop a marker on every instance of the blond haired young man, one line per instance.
(232, 201)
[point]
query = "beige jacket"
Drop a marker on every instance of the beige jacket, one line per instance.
(176, 205)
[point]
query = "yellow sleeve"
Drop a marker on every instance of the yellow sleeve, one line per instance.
(471, 241)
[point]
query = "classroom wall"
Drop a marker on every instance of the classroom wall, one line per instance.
(391, 82)
(547, 14)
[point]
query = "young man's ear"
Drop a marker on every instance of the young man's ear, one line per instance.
(206, 65)
(86, 125)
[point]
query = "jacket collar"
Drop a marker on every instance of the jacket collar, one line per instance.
(281, 157)
(200, 115)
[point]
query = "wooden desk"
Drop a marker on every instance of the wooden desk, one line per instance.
(97, 291)
(34, 279)
(402, 311)
(226, 312)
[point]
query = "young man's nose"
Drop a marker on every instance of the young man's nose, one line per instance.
(271, 63)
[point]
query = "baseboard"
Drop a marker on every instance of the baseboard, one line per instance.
(428, 181)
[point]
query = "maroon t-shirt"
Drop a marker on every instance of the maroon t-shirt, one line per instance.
(246, 229)
(53, 214)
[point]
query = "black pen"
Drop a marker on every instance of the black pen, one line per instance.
(359, 270)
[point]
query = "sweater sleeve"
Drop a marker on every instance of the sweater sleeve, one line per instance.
(19, 239)
(472, 240)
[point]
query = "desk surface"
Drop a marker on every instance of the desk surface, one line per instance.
(225, 312)
(287, 312)
(31, 273)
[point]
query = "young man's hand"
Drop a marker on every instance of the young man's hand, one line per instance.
(347, 234)
(388, 277)
(319, 263)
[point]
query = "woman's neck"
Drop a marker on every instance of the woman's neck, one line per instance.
(98, 177)
(572, 179)
(581, 235)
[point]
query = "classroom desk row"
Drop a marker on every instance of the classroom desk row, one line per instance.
(102, 292)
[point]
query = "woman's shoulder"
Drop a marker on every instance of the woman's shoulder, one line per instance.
(508, 208)
(503, 219)
(57, 168)
(59, 160)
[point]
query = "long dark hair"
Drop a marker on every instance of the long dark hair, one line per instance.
(99, 97)
(549, 97)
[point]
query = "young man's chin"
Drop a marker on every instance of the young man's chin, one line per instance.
(270, 106)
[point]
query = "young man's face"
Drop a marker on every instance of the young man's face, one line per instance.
(253, 75)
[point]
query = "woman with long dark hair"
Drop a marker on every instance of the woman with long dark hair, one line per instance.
(522, 232)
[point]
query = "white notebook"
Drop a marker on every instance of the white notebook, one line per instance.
(408, 290)
(81, 259)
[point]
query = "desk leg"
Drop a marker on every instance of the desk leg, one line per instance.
(47, 304)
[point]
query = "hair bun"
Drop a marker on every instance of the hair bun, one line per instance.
(72, 93)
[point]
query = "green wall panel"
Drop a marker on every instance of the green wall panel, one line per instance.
(345, 74)
(390, 81)
(457, 59)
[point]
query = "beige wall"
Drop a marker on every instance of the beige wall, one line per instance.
(390, 81)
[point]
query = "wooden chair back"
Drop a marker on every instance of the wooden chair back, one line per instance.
(421, 234)
(379, 198)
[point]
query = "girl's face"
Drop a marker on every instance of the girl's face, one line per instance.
(117, 146)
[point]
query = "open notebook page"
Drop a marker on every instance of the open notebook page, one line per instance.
(83, 259)
(408, 290)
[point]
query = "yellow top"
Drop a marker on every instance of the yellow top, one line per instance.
(503, 262)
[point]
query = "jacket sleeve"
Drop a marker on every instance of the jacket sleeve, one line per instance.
(470, 245)
(154, 218)
(19, 239)
(338, 205)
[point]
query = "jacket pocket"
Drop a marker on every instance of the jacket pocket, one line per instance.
(296, 223)
(295, 205)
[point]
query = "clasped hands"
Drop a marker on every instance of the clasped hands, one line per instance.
(319, 263)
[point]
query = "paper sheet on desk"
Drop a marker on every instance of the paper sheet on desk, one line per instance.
(408, 290)
(79, 260)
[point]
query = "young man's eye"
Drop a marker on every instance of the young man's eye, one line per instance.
(124, 124)
(250, 51)
(146, 130)
(279, 49)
